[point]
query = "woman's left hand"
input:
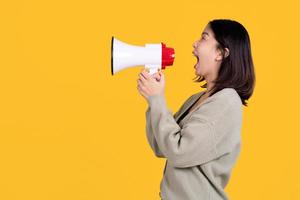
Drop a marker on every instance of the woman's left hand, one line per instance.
(149, 85)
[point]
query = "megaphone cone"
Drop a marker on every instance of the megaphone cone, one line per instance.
(152, 56)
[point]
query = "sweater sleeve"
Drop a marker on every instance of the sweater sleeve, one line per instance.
(149, 131)
(205, 136)
(150, 137)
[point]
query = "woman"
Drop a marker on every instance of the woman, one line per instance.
(202, 141)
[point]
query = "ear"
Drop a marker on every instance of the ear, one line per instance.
(226, 52)
(220, 54)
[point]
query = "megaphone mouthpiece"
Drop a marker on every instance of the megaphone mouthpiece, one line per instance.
(168, 55)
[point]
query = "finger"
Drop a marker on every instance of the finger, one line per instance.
(161, 73)
(146, 75)
(141, 91)
(156, 76)
(142, 79)
(141, 85)
(139, 82)
(162, 76)
(145, 71)
(142, 74)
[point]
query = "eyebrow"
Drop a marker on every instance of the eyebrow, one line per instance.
(205, 33)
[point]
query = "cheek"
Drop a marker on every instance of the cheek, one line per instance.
(206, 58)
(207, 55)
(204, 51)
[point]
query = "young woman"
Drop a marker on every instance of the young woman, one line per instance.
(202, 140)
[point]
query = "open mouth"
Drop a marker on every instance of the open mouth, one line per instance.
(197, 60)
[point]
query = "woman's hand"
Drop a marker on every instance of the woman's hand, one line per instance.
(149, 85)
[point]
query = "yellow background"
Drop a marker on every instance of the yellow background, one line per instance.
(71, 130)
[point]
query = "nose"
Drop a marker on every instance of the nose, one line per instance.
(195, 44)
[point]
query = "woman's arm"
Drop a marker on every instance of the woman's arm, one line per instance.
(211, 131)
(150, 136)
(149, 131)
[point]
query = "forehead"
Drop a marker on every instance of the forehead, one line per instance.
(207, 30)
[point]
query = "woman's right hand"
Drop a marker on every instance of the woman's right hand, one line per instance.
(156, 75)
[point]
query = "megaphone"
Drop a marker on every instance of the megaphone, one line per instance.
(152, 56)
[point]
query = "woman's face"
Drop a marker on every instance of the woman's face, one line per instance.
(205, 50)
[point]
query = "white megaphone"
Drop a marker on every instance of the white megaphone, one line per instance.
(152, 56)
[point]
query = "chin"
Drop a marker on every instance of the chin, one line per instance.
(197, 73)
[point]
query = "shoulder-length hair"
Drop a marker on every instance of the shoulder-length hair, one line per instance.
(236, 70)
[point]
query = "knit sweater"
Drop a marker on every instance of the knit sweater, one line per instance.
(201, 150)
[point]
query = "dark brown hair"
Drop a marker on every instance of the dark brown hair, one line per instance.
(236, 70)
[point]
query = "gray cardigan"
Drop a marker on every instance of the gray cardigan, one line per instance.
(201, 150)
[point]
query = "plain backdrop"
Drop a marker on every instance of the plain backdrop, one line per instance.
(71, 130)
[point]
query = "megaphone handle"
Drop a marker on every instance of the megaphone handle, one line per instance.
(152, 70)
